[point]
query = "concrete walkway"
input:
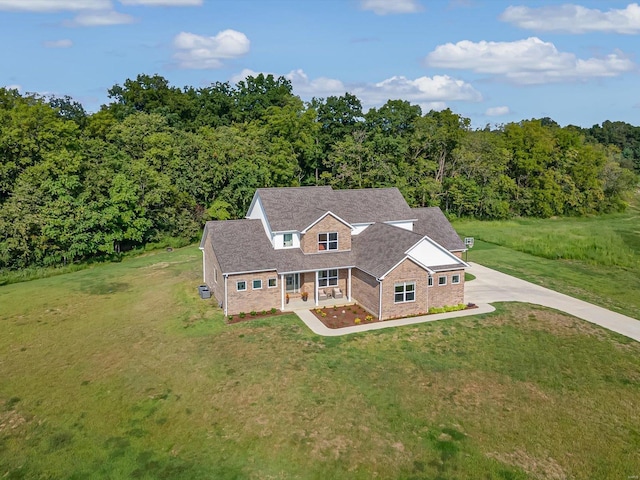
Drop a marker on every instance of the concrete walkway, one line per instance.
(493, 286)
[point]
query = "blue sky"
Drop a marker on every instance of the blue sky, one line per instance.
(490, 60)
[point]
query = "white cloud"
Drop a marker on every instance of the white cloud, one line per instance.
(63, 43)
(384, 7)
(164, 3)
(497, 111)
(575, 19)
(54, 5)
(529, 61)
(99, 19)
(429, 92)
(200, 52)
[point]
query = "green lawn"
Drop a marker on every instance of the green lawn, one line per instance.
(596, 259)
(121, 371)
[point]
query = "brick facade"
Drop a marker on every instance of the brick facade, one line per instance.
(449, 294)
(407, 271)
(250, 299)
(365, 290)
(309, 241)
(213, 273)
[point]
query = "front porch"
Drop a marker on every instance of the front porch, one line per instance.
(320, 287)
(296, 303)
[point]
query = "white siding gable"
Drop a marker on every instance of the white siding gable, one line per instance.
(278, 240)
(256, 212)
(359, 228)
(406, 224)
(428, 253)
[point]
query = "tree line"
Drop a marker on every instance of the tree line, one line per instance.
(157, 161)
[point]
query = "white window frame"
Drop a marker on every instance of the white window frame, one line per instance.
(275, 282)
(440, 282)
(215, 274)
(253, 284)
(430, 281)
(455, 279)
(405, 293)
(238, 282)
(327, 242)
(326, 279)
(287, 243)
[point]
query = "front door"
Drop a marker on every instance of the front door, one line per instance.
(293, 282)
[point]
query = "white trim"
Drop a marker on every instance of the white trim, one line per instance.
(284, 240)
(349, 284)
(273, 278)
(406, 257)
(329, 212)
(245, 286)
(204, 267)
(249, 272)
(283, 286)
(331, 268)
(253, 284)
(316, 293)
(430, 281)
(404, 292)
(380, 301)
(226, 308)
(455, 259)
(328, 241)
(452, 279)
(445, 281)
(328, 276)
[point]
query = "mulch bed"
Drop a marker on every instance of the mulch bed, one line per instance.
(343, 316)
(259, 315)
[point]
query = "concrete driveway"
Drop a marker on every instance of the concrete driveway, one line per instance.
(493, 286)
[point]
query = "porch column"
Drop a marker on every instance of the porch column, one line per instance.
(349, 285)
(315, 288)
(282, 288)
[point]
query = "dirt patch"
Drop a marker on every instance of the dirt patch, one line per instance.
(341, 316)
(542, 468)
(11, 420)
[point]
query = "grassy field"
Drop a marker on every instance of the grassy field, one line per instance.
(596, 259)
(121, 371)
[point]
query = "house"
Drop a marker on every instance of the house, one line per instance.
(363, 245)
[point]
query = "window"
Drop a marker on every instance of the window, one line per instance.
(430, 281)
(257, 284)
(272, 282)
(215, 274)
(288, 240)
(328, 241)
(442, 280)
(405, 292)
(241, 286)
(455, 278)
(328, 278)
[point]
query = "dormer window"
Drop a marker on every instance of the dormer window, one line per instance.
(288, 240)
(327, 241)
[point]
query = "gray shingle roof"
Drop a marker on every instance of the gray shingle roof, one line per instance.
(381, 246)
(432, 223)
(296, 208)
(242, 246)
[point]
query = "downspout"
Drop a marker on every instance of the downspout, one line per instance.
(282, 287)
(226, 308)
(349, 285)
(380, 302)
(204, 267)
(315, 289)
